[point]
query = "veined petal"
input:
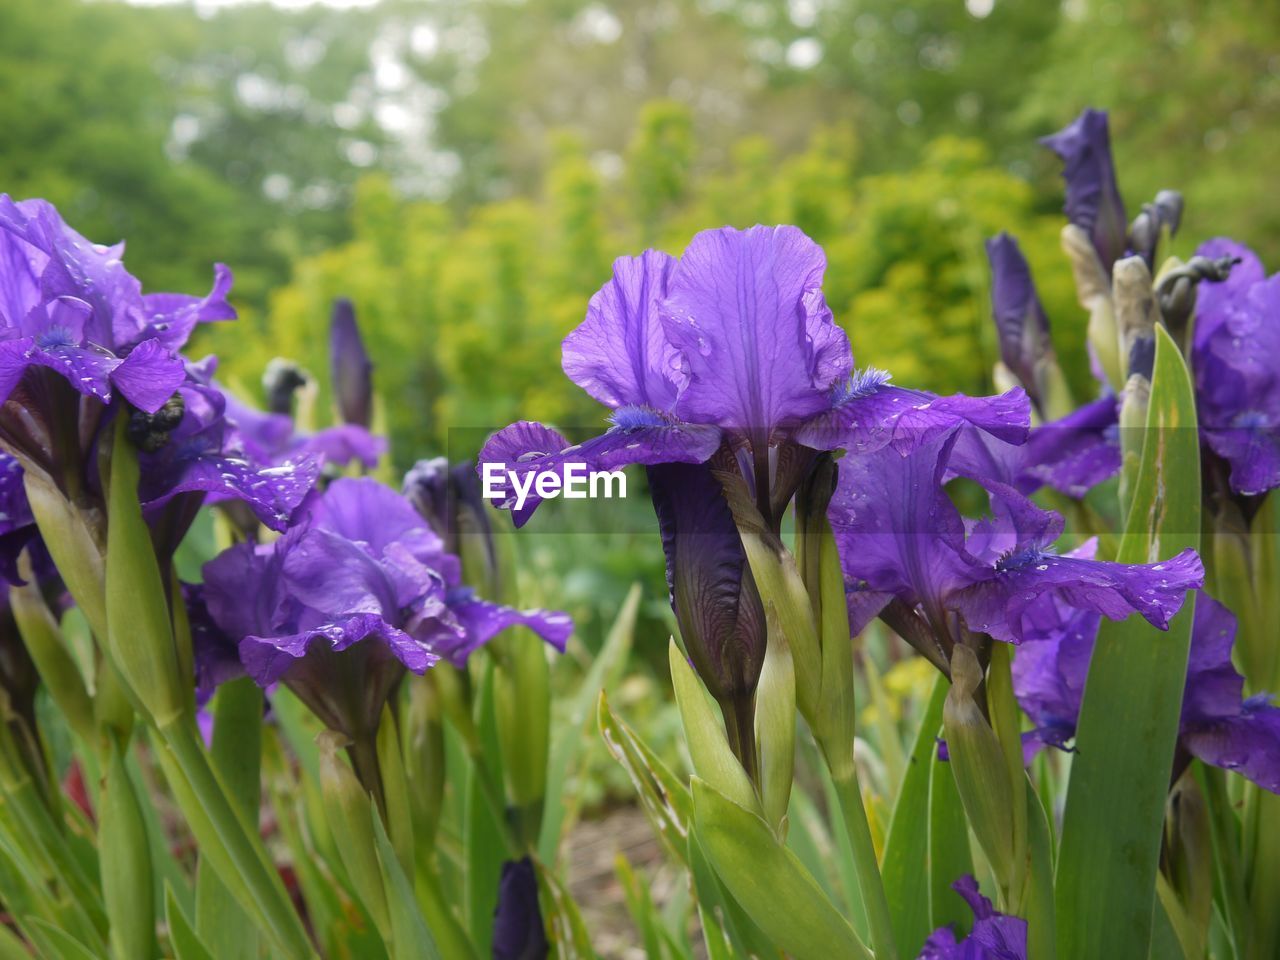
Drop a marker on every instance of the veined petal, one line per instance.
(269, 659)
(755, 337)
(481, 621)
(1020, 320)
(170, 317)
(868, 413)
(149, 375)
(620, 354)
(1000, 605)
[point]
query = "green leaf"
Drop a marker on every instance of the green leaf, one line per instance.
(566, 932)
(568, 743)
(704, 734)
(769, 881)
(53, 942)
(411, 940)
(905, 864)
(1111, 832)
(127, 877)
(663, 797)
(949, 855)
(139, 631)
(486, 847)
(237, 755)
(182, 936)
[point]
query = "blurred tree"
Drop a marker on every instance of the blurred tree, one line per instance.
(1194, 93)
(466, 316)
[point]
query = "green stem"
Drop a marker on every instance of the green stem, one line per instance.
(870, 885)
(225, 837)
(1226, 842)
(494, 799)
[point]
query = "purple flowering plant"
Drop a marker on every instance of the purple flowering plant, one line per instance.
(217, 596)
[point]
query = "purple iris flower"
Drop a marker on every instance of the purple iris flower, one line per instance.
(734, 343)
(903, 540)
(1234, 345)
(201, 456)
(351, 366)
(70, 306)
(518, 932)
(1218, 725)
(273, 438)
(357, 592)
(1020, 319)
(1093, 197)
(995, 936)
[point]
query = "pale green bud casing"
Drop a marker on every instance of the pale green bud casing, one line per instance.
(978, 763)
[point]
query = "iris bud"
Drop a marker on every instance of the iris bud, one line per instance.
(351, 368)
(1093, 291)
(281, 380)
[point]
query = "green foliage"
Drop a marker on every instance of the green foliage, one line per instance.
(464, 315)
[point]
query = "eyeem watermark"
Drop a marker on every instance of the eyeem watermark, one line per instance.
(573, 481)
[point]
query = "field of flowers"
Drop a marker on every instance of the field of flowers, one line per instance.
(263, 697)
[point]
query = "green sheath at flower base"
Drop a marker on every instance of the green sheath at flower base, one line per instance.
(139, 631)
(978, 763)
(1005, 720)
(44, 641)
(776, 725)
(349, 809)
(422, 739)
(125, 865)
(713, 761)
(395, 789)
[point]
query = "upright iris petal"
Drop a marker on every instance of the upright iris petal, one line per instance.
(1093, 197)
(995, 936)
(69, 305)
(756, 340)
(274, 439)
(1218, 725)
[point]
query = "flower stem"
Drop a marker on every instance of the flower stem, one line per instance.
(870, 885)
(740, 725)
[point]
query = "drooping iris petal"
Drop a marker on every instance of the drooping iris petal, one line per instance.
(1093, 197)
(215, 655)
(149, 375)
(1020, 320)
(868, 413)
(897, 531)
(1075, 453)
(201, 456)
(518, 932)
(638, 436)
(995, 936)
(481, 621)
(1030, 575)
(351, 366)
(1218, 725)
(620, 354)
(756, 340)
(712, 591)
(1215, 302)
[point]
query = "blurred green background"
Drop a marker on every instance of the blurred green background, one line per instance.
(465, 170)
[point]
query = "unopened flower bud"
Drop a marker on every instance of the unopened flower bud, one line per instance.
(281, 380)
